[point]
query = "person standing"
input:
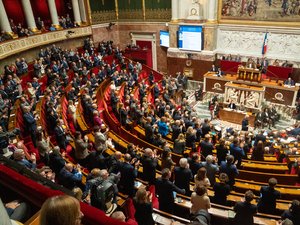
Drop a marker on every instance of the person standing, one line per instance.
(129, 172)
(164, 189)
(199, 200)
(267, 201)
(245, 123)
(230, 169)
(143, 207)
(183, 175)
(293, 213)
(245, 210)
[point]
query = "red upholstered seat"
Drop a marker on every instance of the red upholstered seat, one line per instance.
(155, 203)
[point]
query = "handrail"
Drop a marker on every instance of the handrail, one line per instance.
(16, 46)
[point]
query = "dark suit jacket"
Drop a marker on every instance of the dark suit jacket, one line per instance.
(260, 137)
(30, 122)
(205, 129)
(128, 175)
(206, 148)
(149, 167)
(56, 162)
(245, 124)
(69, 180)
(164, 189)
(194, 166)
(267, 202)
(244, 213)
(231, 172)
(149, 132)
(183, 177)
(176, 131)
(123, 116)
(60, 137)
(232, 106)
(143, 213)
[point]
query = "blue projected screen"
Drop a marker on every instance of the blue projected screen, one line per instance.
(190, 38)
(164, 38)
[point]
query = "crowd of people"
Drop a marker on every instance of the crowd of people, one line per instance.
(65, 22)
(162, 117)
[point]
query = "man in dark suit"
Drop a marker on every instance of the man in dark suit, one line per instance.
(183, 176)
(267, 201)
(177, 129)
(149, 162)
(220, 73)
(195, 163)
(164, 189)
(206, 146)
(123, 115)
(205, 127)
(231, 105)
(260, 137)
(69, 176)
(259, 119)
(149, 130)
(245, 210)
(237, 152)
(213, 68)
(128, 174)
(60, 134)
(266, 117)
(245, 123)
(156, 91)
(30, 123)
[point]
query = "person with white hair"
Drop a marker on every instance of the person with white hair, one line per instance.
(19, 157)
(211, 169)
(183, 175)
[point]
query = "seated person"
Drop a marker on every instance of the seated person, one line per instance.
(220, 73)
(276, 62)
(289, 82)
(251, 64)
(231, 105)
(259, 119)
(213, 68)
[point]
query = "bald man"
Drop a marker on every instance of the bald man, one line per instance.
(69, 176)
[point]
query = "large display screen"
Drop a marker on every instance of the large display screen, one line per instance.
(190, 38)
(164, 38)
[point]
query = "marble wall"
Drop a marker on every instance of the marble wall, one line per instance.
(283, 43)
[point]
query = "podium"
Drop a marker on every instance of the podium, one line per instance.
(248, 74)
(250, 97)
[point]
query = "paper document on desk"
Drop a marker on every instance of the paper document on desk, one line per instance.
(231, 214)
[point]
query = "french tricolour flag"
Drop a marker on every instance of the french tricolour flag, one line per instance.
(265, 44)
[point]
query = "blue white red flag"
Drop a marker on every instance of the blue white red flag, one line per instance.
(265, 44)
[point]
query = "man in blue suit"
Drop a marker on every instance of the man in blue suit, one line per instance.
(289, 82)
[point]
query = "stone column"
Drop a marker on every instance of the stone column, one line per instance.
(173, 28)
(212, 10)
(29, 15)
(82, 11)
(76, 12)
(4, 22)
(53, 13)
(174, 6)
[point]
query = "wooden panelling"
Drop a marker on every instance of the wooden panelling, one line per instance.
(200, 67)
